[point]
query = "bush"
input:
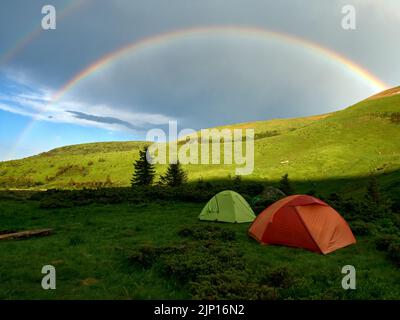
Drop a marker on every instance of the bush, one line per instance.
(70, 170)
(279, 277)
(383, 243)
(266, 134)
(232, 285)
(54, 203)
(396, 220)
(394, 252)
(212, 268)
(105, 194)
(207, 232)
(268, 196)
(19, 182)
(358, 210)
(201, 258)
(360, 228)
(395, 117)
(146, 255)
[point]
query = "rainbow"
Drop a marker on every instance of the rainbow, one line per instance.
(164, 38)
(244, 31)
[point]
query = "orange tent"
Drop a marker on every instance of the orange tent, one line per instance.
(302, 221)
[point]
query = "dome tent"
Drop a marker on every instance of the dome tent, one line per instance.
(302, 221)
(227, 206)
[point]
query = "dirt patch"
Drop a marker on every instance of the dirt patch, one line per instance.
(89, 282)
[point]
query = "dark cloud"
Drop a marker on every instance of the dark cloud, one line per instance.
(106, 120)
(205, 81)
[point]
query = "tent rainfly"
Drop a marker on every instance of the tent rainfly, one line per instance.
(227, 206)
(302, 221)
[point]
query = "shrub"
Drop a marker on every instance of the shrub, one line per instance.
(18, 182)
(268, 196)
(207, 232)
(54, 203)
(266, 134)
(146, 255)
(232, 285)
(396, 220)
(70, 169)
(395, 117)
(106, 194)
(360, 209)
(201, 258)
(312, 193)
(394, 252)
(279, 277)
(376, 204)
(360, 228)
(383, 243)
(211, 268)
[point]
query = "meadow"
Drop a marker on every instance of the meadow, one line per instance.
(136, 244)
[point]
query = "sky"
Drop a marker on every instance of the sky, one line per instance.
(112, 70)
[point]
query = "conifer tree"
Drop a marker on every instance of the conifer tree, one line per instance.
(285, 185)
(144, 172)
(174, 176)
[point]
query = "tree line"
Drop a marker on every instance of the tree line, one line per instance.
(144, 173)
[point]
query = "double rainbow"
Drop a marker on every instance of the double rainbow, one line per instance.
(260, 34)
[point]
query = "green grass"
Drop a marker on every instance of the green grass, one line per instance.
(347, 144)
(91, 246)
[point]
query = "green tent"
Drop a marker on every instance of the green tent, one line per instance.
(227, 206)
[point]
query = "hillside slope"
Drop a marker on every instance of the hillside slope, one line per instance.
(347, 144)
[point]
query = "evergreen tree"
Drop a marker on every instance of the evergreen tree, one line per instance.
(174, 176)
(285, 185)
(144, 172)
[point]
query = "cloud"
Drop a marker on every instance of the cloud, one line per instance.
(213, 80)
(200, 81)
(106, 120)
(37, 104)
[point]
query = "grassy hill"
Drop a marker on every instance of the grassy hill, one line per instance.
(344, 145)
